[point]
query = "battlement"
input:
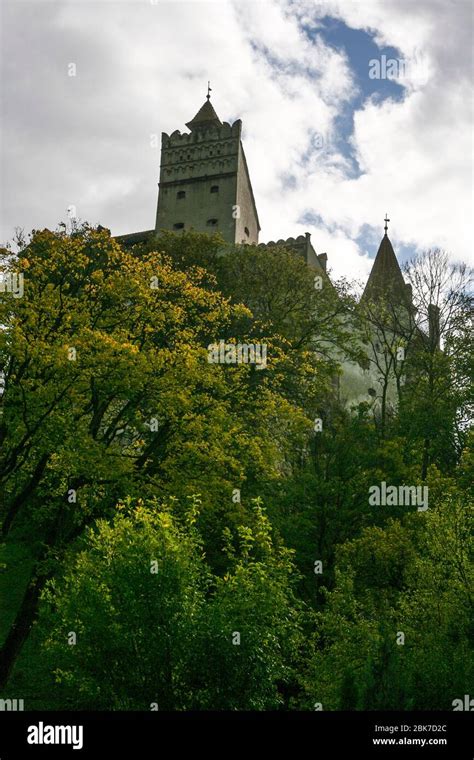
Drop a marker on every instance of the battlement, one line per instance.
(212, 133)
(290, 242)
(208, 151)
(302, 245)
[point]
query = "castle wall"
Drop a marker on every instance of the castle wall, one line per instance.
(355, 381)
(246, 226)
(192, 165)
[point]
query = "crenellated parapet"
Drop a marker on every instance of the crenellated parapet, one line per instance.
(289, 242)
(209, 150)
(211, 133)
(302, 245)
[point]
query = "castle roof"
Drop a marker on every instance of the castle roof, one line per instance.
(205, 117)
(386, 277)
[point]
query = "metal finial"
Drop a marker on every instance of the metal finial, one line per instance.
(386, 220)
(209, 90)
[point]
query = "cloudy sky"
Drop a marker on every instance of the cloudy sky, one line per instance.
(350, 109)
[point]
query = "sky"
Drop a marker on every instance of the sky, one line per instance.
(351, 109)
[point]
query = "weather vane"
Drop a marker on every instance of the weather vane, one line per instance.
(386, 220)
(209, 90)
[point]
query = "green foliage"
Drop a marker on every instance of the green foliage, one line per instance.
(140, 355)
(138, 417)
(154, 624)
(397, 629)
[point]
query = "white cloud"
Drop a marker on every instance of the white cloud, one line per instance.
(416, 155)
(142, 68)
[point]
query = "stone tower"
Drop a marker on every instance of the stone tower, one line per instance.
(204, 180)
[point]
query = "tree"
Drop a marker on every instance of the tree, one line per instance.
(157, 629)
(284, 297)
(108, 393)
(396, 631)
(437, 404)
(386, 328)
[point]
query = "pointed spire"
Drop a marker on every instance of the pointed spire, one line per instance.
(206, 116)
(386, 279)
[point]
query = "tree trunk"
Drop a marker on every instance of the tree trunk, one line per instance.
(28, 610)
(383, 409)
(24, 494)
(426, 458)
(20, 628)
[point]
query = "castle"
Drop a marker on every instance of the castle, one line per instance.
(205, 185)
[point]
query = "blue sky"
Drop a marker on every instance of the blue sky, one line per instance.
(359, 47)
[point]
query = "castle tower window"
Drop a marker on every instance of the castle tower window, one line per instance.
(246, 230)
(178, 225)
(181, 194)
(215, 189)
(212, 222)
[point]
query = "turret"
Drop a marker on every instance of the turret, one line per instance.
(204, 180)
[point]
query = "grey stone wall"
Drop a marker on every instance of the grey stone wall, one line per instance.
(203, 176)
(247, 226)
